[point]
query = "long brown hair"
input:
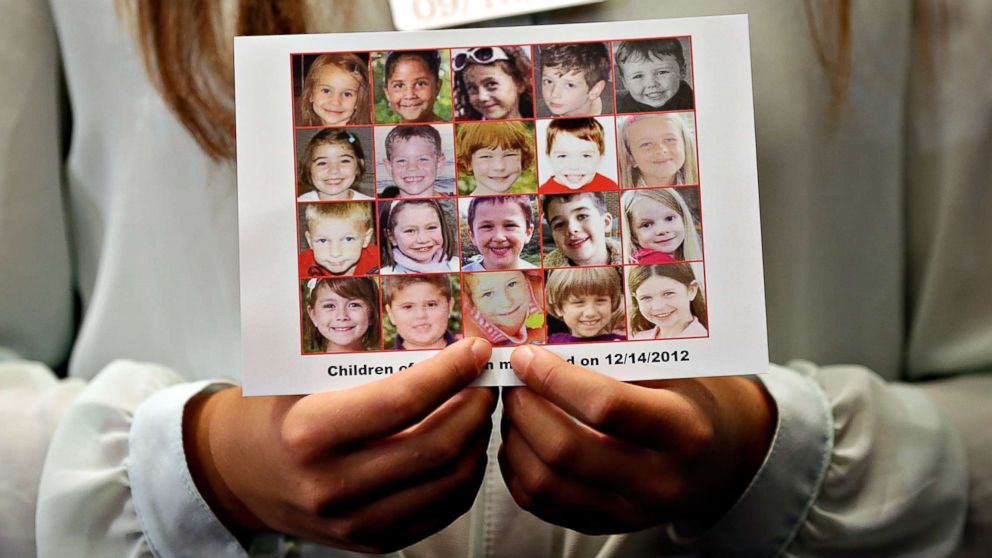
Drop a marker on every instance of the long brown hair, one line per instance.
(188, 53)
(830, 28)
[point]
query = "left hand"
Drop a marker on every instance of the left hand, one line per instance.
(597, 455)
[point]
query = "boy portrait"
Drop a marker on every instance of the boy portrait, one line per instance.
(415, 162)
(496, 158)
(497, 233)
(422, 311)
(585, 305)
(653, 75)
(338, 239)
(577, 154)
(574, 80)
(581, 229)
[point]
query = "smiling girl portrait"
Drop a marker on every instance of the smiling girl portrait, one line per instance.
(493, 83)
(658, 150)
(660, 227)
(418, 236)
(335, 91)
(342, 315)
(666, 301)
(504, 307)
(333, 165)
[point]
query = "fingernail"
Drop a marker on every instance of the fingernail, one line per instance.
(481, 350)
(523, 356)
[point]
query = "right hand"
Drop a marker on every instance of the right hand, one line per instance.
(371, 469)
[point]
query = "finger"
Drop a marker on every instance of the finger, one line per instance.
(578, 452)
(558, 500)
(406, 516)
(655, 417)
(388, 406)
(417, 453)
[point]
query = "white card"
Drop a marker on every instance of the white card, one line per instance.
(383, 216)
(412, 15)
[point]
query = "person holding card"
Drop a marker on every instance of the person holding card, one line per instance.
(149, 447)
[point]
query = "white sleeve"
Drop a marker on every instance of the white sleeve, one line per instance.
(32, 402)
(965, 401)
(857, 466)
(116, 483)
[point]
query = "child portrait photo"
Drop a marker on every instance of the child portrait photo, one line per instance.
(574, 79)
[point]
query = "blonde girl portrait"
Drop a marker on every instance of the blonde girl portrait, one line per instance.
(666, 301)
(589, 302)
(659, 227)
(418, 236)
(504, 307)
(342, 315)
(657, 150)
(335, 91)
(332, 166)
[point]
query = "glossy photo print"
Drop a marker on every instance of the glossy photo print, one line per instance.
(551, 190)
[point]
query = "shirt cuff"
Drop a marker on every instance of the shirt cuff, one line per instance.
(172, 513)
(770, 512)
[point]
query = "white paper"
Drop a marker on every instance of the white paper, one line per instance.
(412, 15)
(273, 313)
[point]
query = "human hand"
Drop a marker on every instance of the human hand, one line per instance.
(373, 469)
(634, 455)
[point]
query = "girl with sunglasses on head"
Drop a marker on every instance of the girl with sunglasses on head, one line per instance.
(492, 83)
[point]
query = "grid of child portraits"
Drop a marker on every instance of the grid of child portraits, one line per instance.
(543, 193)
